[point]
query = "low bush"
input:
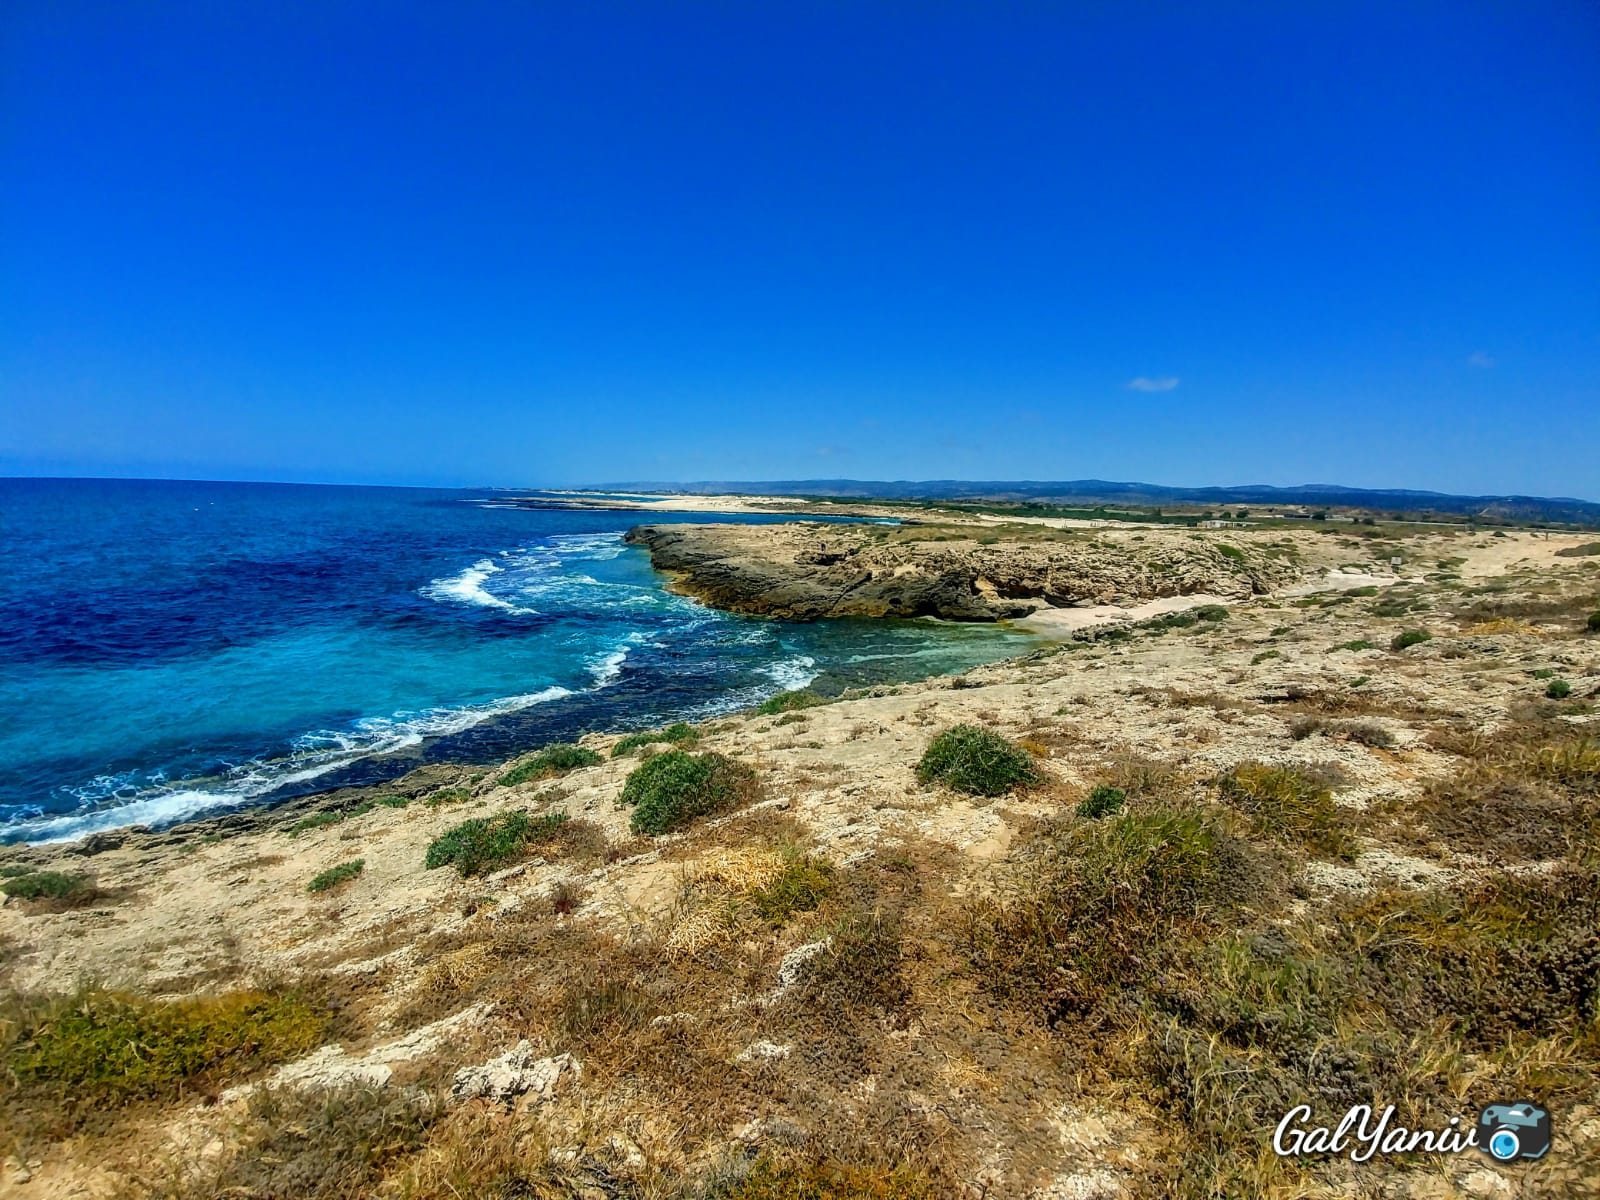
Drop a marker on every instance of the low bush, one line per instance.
(394, 801)
(101, 1049)
(977, 761)
(1232, 552)
(317, 820)
(1358, 644)
(860, 968)
(314, 1144)
(59, 887)
(1558, 689)
(1264, 655)
(1098, 907)
(802, 885)
(446, 796)
(1103, 801)
(1409, 637)
(1593, 623)
(680, 733)
(334, 876)
(1284, 802)
(552, 760)
(789, 701)
(1212, 612)
(485, 844)
(674, 788)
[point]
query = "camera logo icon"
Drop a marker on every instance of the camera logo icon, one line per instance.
(1507, 1132)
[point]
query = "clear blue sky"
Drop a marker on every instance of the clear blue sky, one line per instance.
(526, 244)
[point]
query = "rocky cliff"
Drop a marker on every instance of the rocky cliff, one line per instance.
(807, 571)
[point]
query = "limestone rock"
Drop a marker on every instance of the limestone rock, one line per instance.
(512, 1074)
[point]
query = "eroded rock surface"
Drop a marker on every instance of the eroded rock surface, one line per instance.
(810, 571)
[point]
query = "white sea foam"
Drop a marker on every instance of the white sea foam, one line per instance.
(466, 587)
(313, 755)
(608, 666)
(791, 674)
(532, 578)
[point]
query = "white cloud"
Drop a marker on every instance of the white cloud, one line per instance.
(1479, 358)
(1160, 383)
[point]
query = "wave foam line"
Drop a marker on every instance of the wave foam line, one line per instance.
(466, 587)
(314, 754)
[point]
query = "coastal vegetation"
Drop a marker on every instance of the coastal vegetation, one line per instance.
(72, 1059)
(1287, 803)
(1102, 801)
(556, 759)
(968, 758)
(58, 887)
(326, 881)
(672, 789)
(1407, 638)
(483, 844)
(679, 733)
(791, 701)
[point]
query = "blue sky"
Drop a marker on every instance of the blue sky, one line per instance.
(529, 244)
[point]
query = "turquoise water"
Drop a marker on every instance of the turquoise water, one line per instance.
(172, 649)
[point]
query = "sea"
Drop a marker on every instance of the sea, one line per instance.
(171, 650)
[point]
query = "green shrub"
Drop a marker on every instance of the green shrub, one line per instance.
(976, 761)
(1103, 801)
(59, 886)
(789, 701)
(1228, 551)
(679, 734)
(485, 844)
(1212, 612)
(1099, 906)
(674, 788)
(1593, 623)
(1286, 803)
(334, 876)
(1559, 689)
(1410, 637)
(803, 885)
(394, 801)
(1264, 655)
(1358, 644)
(446, 796)
(552, 760)
(317, 820)
(101, 1049)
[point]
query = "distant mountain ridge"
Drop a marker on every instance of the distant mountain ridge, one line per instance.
(1560, 509)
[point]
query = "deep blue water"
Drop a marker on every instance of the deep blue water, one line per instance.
(169, 649)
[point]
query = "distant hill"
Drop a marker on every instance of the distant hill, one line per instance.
(1556, 510)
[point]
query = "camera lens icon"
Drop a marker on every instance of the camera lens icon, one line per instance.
(1505, 1145)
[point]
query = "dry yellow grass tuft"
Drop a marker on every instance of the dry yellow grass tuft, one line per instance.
(455, 971)
(707, 926)
(1507, 625)
(742, 870)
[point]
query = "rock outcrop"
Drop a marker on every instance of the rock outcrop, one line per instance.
(807, 572)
